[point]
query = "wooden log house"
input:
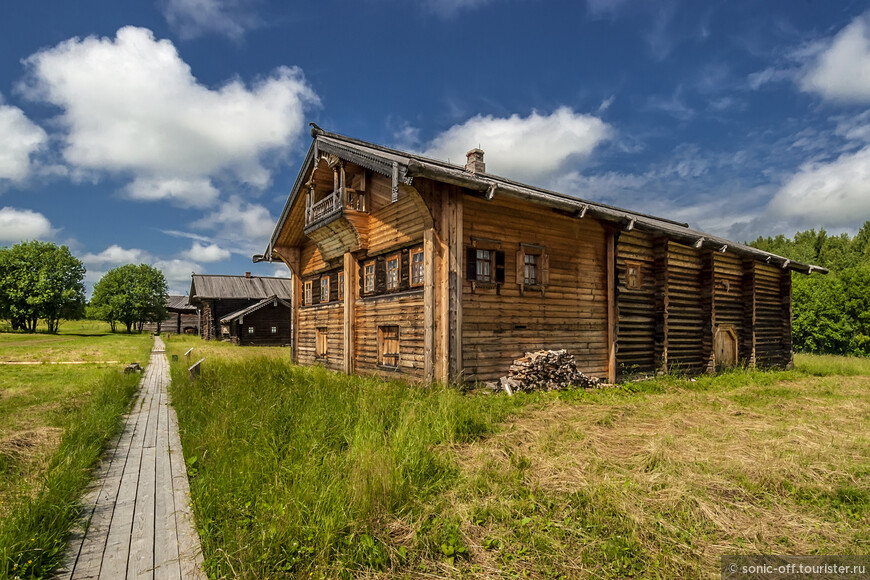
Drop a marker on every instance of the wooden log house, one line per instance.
(411, 266)
(265, 323)
(217, 297)
(181, 317)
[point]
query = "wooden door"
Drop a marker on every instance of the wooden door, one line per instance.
(725, 346)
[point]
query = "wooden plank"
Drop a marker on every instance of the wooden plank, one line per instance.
(351, 288)
(610, 242)
(429, 304)
(140, 563)
(166, 563)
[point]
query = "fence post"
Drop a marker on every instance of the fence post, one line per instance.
(194, 370)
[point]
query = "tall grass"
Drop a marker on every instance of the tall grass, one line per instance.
(823, 365)
(300, 470)
(33, 534)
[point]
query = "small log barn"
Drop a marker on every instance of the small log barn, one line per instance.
(407, 265)
(218, 296)
(181, 317)
(265, 323)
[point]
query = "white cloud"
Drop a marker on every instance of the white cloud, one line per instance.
(185, 192)
(193, 18)
(252, 221)
(447, 8)
(19, 139)
(23, 224)
(132, 106)
(833, 194)
(177, 273)
(841, 72)
(523, 147)
(210, 253)
(115, 254)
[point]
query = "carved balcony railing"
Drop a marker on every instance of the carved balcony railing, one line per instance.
(333, 204)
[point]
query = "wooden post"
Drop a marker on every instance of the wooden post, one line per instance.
(749, 301)
(662, 297)
(453, 223)
(351, 287)
(708, 310)
(187, 354)
(429, 353)
(785, 300)
(610, 241)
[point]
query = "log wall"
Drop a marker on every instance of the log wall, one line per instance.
(636, 327)
(499, 324)
(403, 310)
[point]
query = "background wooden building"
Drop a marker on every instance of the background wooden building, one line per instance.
(265, 323)
(181, 317)
(217, 296)
(403, 264)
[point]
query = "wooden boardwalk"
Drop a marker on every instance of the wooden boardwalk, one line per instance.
(138, 522)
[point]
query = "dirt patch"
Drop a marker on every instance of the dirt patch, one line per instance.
(31, 445)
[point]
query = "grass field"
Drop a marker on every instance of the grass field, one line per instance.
(54, 422)
(298, 472)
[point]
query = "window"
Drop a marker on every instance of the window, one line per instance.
(369, 275)
(393, 271)
(250, 330)
(324, 288)
(388, 346)
(533, 267)
(321, 345)
(483, 261)
(417, 267)
(274, 330)
(530, 269)
(633, 280)
(341, 285)
(306, 298)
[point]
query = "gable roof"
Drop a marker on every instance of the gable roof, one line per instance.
(403, 167)
(179, 304)
(204, 286)
(253, 308)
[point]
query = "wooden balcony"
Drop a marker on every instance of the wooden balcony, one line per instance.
(322, 212)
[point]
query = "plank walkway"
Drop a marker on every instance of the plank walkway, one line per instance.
(137, 521)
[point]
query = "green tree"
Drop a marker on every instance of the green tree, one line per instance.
(131, 295)
(40, 280)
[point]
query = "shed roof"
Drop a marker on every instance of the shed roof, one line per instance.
(180, 304)
(410, 165)
(204, 286)
(253, 308)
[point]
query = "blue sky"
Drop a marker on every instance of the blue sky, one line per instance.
(170, 131)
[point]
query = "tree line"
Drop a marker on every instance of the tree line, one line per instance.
(44, 281)
(831, 313)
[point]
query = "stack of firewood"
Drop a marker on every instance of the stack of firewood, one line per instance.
(546, 370)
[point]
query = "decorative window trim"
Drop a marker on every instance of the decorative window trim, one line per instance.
(542, 267)
(397, 283)
(485, 243)
(418, 251)
(633, 282)
(324, 278)
(341, 285)
(496, 264)
(368, 288)
(306, 295)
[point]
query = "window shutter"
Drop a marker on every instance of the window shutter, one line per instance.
(380, 275)
(333, 286)
(404, 270)
(499, 267)
(521, 273)
(315, 291)
(470, 263)
(545, 269)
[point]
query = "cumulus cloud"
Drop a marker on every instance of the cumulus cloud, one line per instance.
(23, 224)
(116, 255)
(252, 221)
(177, 273)
(193, 18)
(834, 193)
(130, 105)
(523, 147)
(210, 253)
(20, 138)
(841, 72)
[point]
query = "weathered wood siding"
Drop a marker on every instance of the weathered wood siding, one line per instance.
(636, 328)
(330, 317)
(404, 310)
(501, 324)
(262, 321)
(772, 316)
(688, 327)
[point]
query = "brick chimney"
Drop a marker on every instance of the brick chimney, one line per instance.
(247, 274)
(475, 162)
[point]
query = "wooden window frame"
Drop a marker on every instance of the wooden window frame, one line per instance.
(307, 297)
(398, 280)
(274, 330)
(411, 255)
(488, 261)
(637, 284)
(341, 285)
(385, 341)
(496, 263)
(542, 267)
(321, 342)
(250, 330)
(324, 278)
(367, 288)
